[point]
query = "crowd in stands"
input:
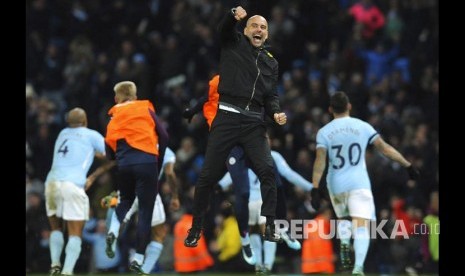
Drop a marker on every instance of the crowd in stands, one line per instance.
(382, 53)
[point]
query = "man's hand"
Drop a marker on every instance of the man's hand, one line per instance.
(188, 114)
(413, 172)
(315, 198)
(239, 13)
(280, 118)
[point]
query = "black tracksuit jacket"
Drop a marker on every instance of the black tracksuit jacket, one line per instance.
(249, 75)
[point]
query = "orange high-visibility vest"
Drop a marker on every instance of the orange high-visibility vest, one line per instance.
(132, 122)
(211, 106)
(317, 253)
(189, 259)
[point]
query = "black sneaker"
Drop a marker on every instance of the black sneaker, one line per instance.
(134, 266)
(248, 255)
(193, 236)
(55, 270)
(109, 249)
(271, 235)
(345, 256)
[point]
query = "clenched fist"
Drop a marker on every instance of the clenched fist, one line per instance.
(239, 13)
(280, 118)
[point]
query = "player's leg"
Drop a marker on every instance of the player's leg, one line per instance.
(154, 248)
(75, 212)
(362, 210)
(223, 137)
(54, 209)
(344, 227)
(257, 149)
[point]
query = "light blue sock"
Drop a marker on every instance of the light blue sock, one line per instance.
(256, 244)
(361, 244)
(152, 253)
(344, 231)
(269, 249)
(56, 246)
(73, 249)
(114, 225)
(245, 240)
(139, 258)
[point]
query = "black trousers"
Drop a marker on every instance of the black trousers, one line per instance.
(138, 180)
(228, 130)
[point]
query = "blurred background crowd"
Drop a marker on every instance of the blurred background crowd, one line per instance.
(382, 53)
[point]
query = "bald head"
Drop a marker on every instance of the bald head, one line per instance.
(256, 30)
(77, 117)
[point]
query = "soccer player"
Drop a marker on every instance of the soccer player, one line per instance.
(137, 142)
(65, 197)
(243, 177)
(344, 141)
(154, 248)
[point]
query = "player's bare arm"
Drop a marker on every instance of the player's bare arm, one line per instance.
(173, 182)
(319, 166)
(390, 152)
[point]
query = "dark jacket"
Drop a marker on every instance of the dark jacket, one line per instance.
(249, 75)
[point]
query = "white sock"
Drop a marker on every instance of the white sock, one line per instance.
(56, 246)
(152, 253)
(73, 249)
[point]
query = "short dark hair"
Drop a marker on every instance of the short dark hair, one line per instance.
(339, 102)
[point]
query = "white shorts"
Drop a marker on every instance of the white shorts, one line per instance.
(356, 203)
(66, 200)
(158, 215)
(255, 208)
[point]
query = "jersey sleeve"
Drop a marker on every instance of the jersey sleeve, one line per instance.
(98, 142)
(321, 141)
(371, 133)
(170, 157)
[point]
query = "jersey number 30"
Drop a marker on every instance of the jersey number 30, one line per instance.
(354, 152)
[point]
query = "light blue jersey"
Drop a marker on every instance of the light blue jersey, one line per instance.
(283, 169)
(169, 157)
(74, 153)
(345, 140)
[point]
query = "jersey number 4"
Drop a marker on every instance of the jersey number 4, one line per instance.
(354, 153)
(63, 148)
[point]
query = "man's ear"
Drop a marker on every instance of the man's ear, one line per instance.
(330, 109)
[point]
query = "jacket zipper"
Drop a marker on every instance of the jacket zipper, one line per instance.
(255, 83)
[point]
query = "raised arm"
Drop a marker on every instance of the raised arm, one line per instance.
(227, 27)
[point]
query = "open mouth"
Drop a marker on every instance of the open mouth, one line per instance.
(257, 38)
